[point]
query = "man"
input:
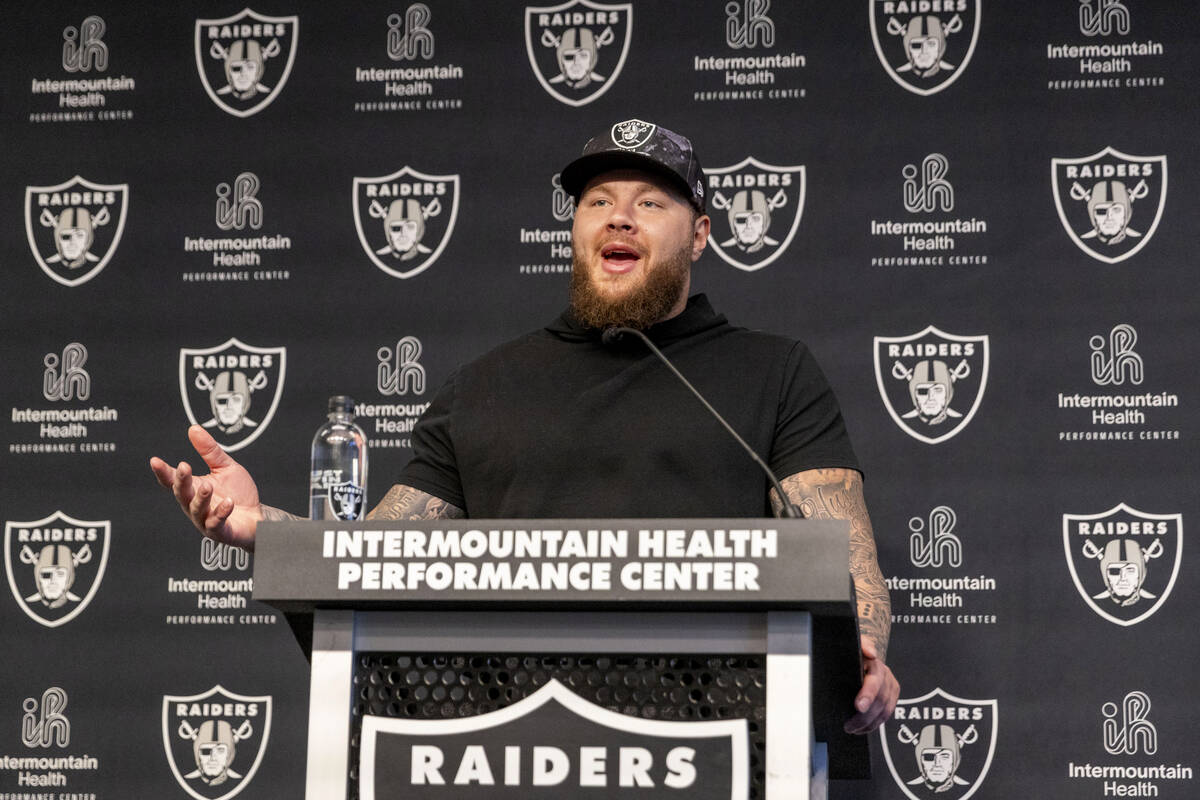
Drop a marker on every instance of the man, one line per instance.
(563, 422)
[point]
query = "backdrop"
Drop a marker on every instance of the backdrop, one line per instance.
(976, 214)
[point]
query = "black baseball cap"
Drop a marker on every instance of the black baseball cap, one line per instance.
(639, 145)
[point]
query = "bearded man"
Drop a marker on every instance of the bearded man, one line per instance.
(564, 422)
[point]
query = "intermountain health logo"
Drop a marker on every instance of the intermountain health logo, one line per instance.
(410, 80)
(922, 51)
(1116, 405)
(940, 591)
(1124, 562)
(756, 211)
(1136, 764)
(55, 565)
(931, 382)
(74, 227)
(405, 219)
(241, 251)
(401, 382)
(244, 60)
(232, 389)
(1099, 196)
(83, 92)
(215, 741)
(939, 746)
(577, 49)
(930, 236)
(1108, 55)
(649, 758)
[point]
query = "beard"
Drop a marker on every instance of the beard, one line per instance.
(639, 306)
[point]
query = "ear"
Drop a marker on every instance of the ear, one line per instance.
(700, 231)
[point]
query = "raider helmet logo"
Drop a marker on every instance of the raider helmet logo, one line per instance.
(405, 220)
(923, 52)
(215, 741)
(1124, 562)
(931, 382)
(577, 49)
(232, 389)
(245, 60)
(940, 746)
(74, 227)
(55, 565)
(756, 211)
(699, 760)
(1097, 197)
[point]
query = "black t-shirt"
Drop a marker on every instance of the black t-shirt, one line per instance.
(557, 423)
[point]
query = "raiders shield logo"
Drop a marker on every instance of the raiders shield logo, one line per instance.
(924, 52)
(74, 228)
(215, 741)
(940, 746)
(1110, 202)
(405, 220)
(245, 60)
(577, 49)
(419, 758)
(346, 500)
(232, 389)
(756, 210)
(1124, 562)
(931, 382)
(55, 565)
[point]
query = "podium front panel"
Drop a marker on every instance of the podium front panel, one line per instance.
(449, 668)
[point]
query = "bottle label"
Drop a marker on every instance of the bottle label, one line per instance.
(347, 500)
(334, 498)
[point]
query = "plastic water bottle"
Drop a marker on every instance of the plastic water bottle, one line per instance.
(338, 487)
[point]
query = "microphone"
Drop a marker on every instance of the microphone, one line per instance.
(614, 335)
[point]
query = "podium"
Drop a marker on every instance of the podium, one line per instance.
(583, 657)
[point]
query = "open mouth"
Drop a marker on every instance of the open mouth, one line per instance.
(617, 257)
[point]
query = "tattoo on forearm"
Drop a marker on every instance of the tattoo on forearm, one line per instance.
(405, 502)
(838, 494)
(272, 514)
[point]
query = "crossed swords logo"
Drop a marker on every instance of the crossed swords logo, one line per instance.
(723, 203)
(378, 211)
(1090, 550)
(243, 731)
(607, 37)
(31, 558)
(50, 221)
(969, 736)
(207, 384)
(898, 28)
(220, 53)
(903, 373)
(1137, 193)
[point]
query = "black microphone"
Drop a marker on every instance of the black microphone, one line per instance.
(614, 335)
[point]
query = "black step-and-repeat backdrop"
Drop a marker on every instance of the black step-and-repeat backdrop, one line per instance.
(979, 215)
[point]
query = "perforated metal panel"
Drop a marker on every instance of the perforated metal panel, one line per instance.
(443, 686)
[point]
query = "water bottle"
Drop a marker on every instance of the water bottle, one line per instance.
(338, 488)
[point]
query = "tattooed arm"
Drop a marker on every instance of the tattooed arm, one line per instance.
(838, 494)
(405, 502)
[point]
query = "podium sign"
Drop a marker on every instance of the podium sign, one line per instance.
(725, 563)
(417, 596)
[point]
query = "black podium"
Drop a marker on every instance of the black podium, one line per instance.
(557, 658)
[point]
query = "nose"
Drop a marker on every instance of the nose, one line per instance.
(622, 217)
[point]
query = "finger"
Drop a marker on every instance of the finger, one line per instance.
(208, 448)
(199, 507)
(219, 511)
(163, 471)
(182, 484)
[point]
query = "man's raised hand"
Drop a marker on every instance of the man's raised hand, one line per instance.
(224, 504)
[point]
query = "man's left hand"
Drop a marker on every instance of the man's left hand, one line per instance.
(877, 698)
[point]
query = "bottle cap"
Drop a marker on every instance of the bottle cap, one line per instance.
(341, 403)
